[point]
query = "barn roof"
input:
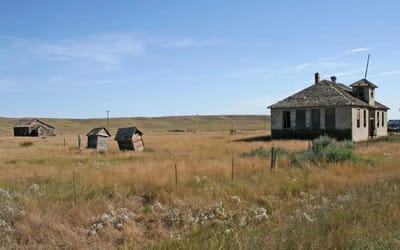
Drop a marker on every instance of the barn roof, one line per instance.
(324, 94)
(30, 122)
(99, 131)
(126, 133)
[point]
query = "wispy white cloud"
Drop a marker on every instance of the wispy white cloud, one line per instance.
(103, 49)
(348, 73)
(186, 43)
(106, 49)
(302, 66)
(65, 81)
(356, 50)
(390, 73)
(319, 63)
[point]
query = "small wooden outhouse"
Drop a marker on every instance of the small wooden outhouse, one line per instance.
(130, 139)
(97, 138)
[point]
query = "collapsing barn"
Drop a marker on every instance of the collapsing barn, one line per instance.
(33, 127)
(130, 139)
(98, 139)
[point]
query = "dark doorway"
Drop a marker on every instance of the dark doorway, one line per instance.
(372, 128)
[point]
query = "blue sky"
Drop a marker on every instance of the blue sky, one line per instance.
(78, 59)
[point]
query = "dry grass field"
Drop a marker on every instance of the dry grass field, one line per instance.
(218, 199)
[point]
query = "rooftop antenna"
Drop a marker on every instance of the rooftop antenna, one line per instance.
(366, 69)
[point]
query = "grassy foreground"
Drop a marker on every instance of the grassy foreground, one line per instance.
(130, 201)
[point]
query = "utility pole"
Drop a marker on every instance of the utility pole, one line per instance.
(108, 121)
(366, 68)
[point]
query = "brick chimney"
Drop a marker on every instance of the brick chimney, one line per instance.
(316, 78)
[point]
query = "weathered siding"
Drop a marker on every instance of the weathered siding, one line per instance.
(381, 130)
(359, 133)
(102, 143)
(342, 130)
(138, 143)
(276, 119)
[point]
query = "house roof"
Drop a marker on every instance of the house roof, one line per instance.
(126, 133)
(99, 131)
(363, 83)
(345, 87)
(324, 94)
(31, 123)
(379, 105)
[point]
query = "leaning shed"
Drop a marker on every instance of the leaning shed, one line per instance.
(97, 138)
(130, 139)
(33, 127)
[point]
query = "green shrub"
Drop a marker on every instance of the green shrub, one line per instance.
(26, 144)
(263, 152)
(324, 149)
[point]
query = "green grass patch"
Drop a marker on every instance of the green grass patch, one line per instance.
(26, 144)
(262, 152)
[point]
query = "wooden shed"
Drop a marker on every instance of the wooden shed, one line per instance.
(97, 138)
(130, 139)
(33, 127)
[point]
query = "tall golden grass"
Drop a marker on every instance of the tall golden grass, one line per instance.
(116, 179)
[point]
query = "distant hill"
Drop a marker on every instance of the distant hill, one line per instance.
(151, 124)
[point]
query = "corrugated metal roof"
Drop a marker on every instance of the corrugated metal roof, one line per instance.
(126, 133)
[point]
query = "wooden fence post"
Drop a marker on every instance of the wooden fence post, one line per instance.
(64, 142)
(80, 142)
(233, 169)
(74, 186)
(176, 178)
(273, 156)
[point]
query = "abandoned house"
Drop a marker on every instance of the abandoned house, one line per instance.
(97, 138)
(33, 127)
(330, 108)
(130, 139)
